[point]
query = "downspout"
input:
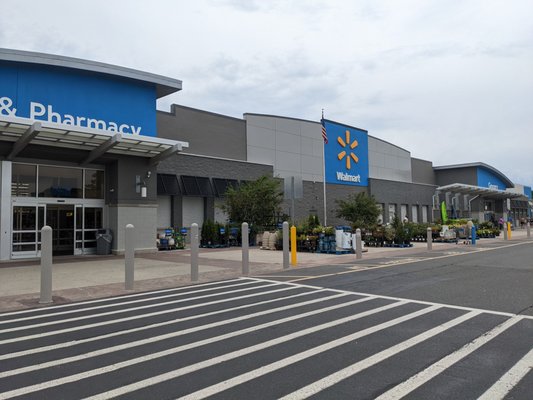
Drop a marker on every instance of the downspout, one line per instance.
(470, 205)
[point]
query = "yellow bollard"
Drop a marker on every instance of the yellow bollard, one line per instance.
(509, 230)
(293, 245)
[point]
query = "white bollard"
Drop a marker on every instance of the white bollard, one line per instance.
(129, 256)
(245, 250)
(46, 265)
(528, 228)
(286, 257)
(195, 248)
(429, 238)
(358, 244)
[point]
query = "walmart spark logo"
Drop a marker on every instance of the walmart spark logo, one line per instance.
(344, 154)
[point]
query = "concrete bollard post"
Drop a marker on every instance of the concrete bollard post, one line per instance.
(129, 256)
(245, 249)
(528, 229)
(285, 245)
(195, 246)
(429, 238)
(358, 244)
(505, 232)
(46, 265)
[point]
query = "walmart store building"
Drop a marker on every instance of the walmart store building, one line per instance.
(83, 148)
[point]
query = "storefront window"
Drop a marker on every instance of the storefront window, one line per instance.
(424, 214)
(94, 184)
(93, 218)
(23, 179)
(24, 218)
(60, 182)
(403, 212)
(93, 222)
(392, 212)
(24, 228)
(414, 213)
(380, 216)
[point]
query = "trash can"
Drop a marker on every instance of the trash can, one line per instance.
(103, 242)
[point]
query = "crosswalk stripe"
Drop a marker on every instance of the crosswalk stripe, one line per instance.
(248, 350)
(135, 317)
(145, 327)
(248, 376)
(111, 363)
(122, 311)
(510, 379)
(53, 314)
(406, 387)
(332, 379)
(429, 303)
(127, 363)
(159, 338)
(44, 310)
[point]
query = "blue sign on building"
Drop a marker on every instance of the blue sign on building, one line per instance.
(346, 154)
(489, 180)
(75, 97)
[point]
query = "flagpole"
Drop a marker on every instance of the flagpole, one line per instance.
(324, 172)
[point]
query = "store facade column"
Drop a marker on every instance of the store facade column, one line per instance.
(5, 211)
(131, 198)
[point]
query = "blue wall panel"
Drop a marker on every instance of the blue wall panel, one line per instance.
(488, 179)
(61, 92)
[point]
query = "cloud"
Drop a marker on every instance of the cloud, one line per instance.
(449, 81)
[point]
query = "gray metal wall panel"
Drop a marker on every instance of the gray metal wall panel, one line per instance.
(387, 161)
(459, 175)
(422, 171)
(208, 134)
(292, 146)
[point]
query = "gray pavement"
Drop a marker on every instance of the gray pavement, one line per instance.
(83, 278)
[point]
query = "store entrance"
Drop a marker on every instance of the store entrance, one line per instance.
(60, 217)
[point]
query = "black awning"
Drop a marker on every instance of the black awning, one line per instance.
(197, 186)
(204, 184)
(222, 184)
(167, 184)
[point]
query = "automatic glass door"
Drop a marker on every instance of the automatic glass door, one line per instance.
(61, 219)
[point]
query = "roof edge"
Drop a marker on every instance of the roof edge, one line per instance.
(279, 116)
(164, 85)
(504, 178)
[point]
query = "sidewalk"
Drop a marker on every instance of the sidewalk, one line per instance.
(82, 278)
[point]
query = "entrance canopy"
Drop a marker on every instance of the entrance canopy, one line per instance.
(23, 132)
(478, 191)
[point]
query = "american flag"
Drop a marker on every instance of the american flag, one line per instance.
(324, 133)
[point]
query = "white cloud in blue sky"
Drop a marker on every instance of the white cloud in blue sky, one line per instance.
(450, 81)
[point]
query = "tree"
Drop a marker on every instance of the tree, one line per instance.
(255, 202)
(360, 210)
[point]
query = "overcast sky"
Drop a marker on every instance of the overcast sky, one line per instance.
(449, 80)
